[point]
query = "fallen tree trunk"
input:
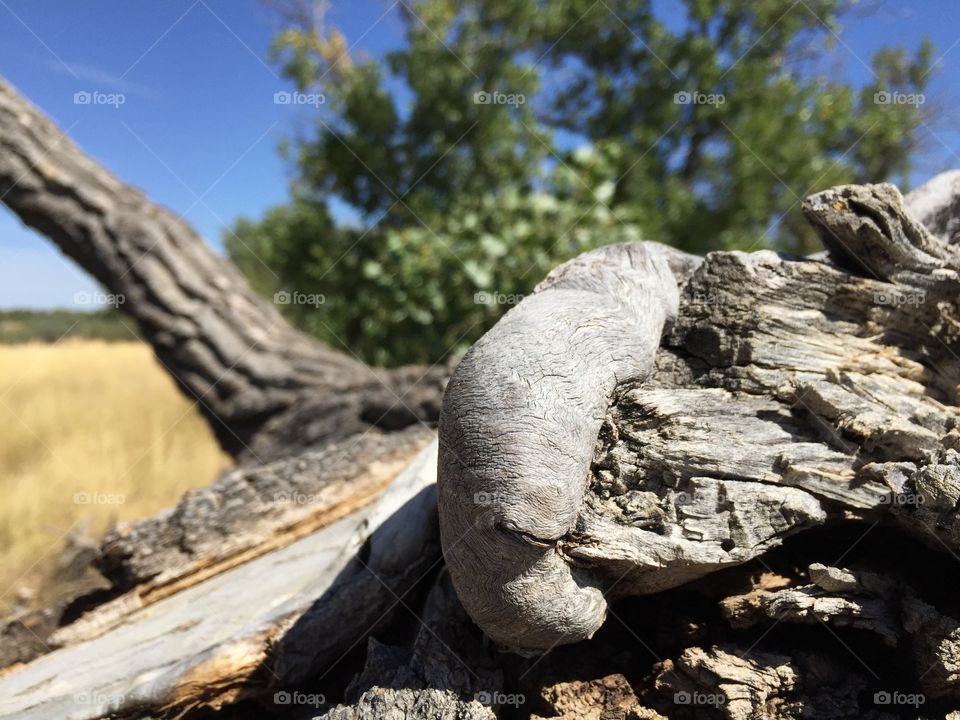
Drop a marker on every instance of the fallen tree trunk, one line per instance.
(765, 520)
(795, 442)
(267, 390)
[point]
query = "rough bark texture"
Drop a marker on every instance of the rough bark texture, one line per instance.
(869, 602)
(519, 423)
(246, 513)
(216, 642)
(780, 493)
(790, 393)
(249, 510)
(936, 205)
(267, 390)
(428, 679)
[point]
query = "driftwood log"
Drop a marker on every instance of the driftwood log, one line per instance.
(681, 488)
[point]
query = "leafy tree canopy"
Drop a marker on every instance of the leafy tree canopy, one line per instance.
(506, 136)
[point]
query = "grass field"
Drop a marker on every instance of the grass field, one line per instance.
(92, 432)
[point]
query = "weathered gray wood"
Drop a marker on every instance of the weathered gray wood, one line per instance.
(871, 602)
(789, 394)
(518, 426)
(429, 679)
(867, 227)
(245, 513)
(862, 600)
(721, 682)
(251, 509)
(211, 644)
(936, 204)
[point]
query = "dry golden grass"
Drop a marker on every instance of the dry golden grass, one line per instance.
(92, 433)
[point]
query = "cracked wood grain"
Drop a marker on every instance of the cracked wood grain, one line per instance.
(787, 394)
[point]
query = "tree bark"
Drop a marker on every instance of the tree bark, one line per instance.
(767, 515)
(769, 518)
(789, 394)
(211, 644)
(266, 389)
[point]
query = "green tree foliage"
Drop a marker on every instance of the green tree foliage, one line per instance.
(509, 135)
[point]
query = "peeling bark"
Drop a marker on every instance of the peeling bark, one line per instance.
(215, 643)
(789, 394)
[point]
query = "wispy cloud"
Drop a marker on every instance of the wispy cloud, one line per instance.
(103, 79)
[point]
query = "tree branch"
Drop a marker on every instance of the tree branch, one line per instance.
(227, 348)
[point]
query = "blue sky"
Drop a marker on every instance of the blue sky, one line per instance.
(198, 130)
